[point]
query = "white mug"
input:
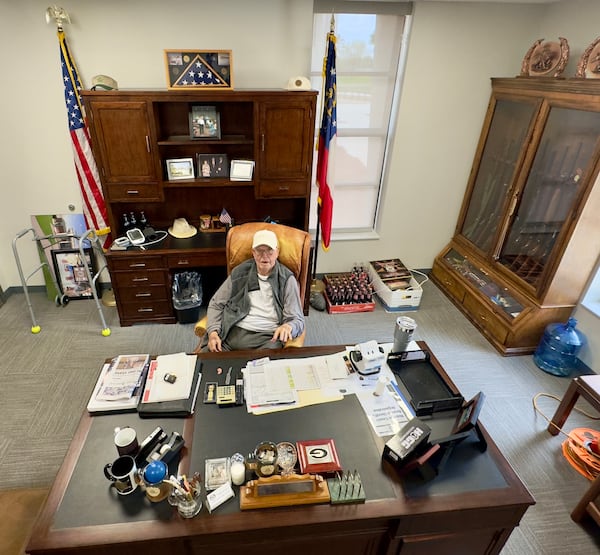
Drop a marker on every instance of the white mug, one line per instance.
(126, 441)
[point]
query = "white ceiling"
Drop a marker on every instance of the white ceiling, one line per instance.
(498, 1)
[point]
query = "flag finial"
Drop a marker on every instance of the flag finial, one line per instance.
(332, 24)
(59, 15)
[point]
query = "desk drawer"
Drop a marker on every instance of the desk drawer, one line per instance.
(449, 282)
(139, 279)
(146, 310)
(486, 318)
(137, 263)
(274, 189)
(191, 260)
(144, 293)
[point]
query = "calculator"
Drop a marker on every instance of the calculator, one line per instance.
(226, 395)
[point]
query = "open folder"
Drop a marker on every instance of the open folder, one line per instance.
(162, 403)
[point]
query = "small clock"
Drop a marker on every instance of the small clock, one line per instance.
(286, 457)
(266, 458)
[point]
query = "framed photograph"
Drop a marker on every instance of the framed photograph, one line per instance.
(71, 274)
(200, 69)
(468, 414)
(213, 165)
(180, 168)
(318, 456)
(241, 170)
(205, 123)
(216, 473)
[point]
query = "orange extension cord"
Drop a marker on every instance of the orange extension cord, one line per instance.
(577, 448)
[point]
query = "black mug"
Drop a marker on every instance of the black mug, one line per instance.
(123, 474)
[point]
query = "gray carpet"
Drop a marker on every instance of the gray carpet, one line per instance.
(46, 379)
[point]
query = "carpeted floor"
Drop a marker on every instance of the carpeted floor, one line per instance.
(46, 379)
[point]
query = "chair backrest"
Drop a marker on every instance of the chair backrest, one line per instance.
(294, 248)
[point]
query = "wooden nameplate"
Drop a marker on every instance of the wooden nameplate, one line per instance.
(283, 491)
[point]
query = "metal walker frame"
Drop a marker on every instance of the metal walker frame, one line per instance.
(61, 299)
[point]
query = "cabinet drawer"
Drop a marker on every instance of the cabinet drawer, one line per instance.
(270, 189)
(190, 260)
(133, 191)
(139, 279)
(143, 293)
(146, 310)
(137, 263)
(486, 318)
(449, 282)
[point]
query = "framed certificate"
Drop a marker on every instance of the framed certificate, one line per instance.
(241, 170)
(318, 456)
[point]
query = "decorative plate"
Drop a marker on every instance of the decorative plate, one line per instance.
(546, 59)
(589, 63)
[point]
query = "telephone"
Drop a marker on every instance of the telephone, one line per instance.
(367, 358)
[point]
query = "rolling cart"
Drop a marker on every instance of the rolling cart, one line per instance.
(47, 241)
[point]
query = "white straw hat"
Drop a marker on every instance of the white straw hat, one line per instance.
(181, 229)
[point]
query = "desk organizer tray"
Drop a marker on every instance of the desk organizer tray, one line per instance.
(427, 390)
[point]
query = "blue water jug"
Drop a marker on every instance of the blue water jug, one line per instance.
(559, 347)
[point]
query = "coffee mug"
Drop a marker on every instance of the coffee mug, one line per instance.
(122, 473)
(126, 441)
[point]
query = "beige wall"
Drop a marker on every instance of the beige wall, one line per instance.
(455, 48)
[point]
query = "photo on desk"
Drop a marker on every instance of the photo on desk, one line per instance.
(71, 273)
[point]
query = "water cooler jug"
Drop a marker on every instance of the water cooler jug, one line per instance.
(559, 347)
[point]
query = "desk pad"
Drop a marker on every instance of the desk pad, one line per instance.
(89, 499)
(220, 432)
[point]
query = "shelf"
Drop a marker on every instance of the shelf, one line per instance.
(213, 182)
(185, 140)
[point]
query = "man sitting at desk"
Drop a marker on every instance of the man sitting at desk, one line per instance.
(258, 306)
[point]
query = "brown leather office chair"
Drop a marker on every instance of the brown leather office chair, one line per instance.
(294, 252)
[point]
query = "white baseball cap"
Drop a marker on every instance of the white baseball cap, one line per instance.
(265, 237)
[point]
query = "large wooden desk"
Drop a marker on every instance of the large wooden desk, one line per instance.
(470, 508)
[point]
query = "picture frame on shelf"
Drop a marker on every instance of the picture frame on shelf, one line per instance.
(205, 122)
(180, 168)
(212, 165)
(241, 170)
(71, 274)
(318, 456)
(198, 69)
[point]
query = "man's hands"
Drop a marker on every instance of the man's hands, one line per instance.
(283, 333)
(214, 342)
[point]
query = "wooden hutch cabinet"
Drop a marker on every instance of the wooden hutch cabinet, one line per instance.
(133, 135)
(528, 233)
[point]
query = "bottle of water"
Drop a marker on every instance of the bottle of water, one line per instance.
(559, 347)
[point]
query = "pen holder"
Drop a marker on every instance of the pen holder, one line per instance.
(188, 505)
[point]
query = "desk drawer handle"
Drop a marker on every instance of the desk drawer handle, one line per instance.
(449, 283)
(183, 263)
(145, 310)
(139, 279)
(482, 317)
(143, 294)
(138, 265)
(284, 187)
(133, 192)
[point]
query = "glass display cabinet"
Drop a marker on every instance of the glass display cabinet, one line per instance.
(528, 233)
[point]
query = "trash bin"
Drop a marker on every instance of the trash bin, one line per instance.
(187, 296)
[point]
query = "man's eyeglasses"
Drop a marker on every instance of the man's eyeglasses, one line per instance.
(264, 250)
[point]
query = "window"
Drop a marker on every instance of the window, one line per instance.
(370, 42)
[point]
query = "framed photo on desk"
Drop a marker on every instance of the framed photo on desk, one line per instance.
(318, 456)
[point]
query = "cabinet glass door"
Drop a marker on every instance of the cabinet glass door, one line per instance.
(508, 130)
(553, 187)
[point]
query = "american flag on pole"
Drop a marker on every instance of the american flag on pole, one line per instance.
(327, 140)
(94, 208)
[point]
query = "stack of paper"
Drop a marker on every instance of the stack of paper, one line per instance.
(179, 369)
(119, 385)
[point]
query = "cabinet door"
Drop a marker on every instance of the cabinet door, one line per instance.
(552, 192)
(122, 132)
(500, 154)
(286, 131)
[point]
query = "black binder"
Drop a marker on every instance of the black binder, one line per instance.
(180, 407)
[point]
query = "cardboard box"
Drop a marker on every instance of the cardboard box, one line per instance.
(398, 300)
(346, 307)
